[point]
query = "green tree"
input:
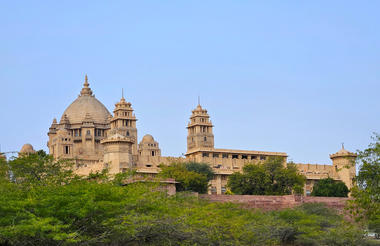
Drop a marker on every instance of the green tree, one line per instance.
(40, 168)
(201, 168)
(331, 188)
(191, 177)
(366, 205)
(268, 178)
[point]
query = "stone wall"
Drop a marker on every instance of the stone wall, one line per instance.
(276, 202)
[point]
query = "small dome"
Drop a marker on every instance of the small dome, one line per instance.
(87, 105)
(27, 149)
(147, 139)
(343, 153)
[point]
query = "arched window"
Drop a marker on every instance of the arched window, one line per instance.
(205, 139)
(128, 133)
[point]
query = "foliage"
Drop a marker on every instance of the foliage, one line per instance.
(191, 176)
(330, 188)
(201, 168)
(84, 212)
(366, 205)
(268, 178)
(39, 168)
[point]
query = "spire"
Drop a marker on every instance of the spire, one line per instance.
(199, 100)
(86, 90)
(342, 145)
(86, 84)
(122, 93)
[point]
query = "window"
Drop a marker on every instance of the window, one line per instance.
(153, 153)
(127, 133)
(148, 165)
(262, 158)
(215, 155)
(218, 166)
(225, 156)
(98, 132)
(204, 154)
(223, 190)
(253, 157)
(213, 190)
(66, 150)
(235, 156)
(88, 132)
(244, 157)
(205, 139)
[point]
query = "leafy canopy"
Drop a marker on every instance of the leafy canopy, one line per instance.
(331, 188)
(39, 168)
(267, 178)
(366, 205)
(191, 176)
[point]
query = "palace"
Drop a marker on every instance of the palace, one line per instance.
(96, 139)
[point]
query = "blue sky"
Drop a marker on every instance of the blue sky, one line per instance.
(299, 77)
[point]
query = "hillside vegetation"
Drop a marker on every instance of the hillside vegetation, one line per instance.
(42, 203)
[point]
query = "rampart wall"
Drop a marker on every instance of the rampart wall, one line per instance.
(276, 202)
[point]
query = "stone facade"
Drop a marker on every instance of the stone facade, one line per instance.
(88, 134)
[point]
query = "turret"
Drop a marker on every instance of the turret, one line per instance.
(200, 133)
(120, 147)
(344, 165)
(123, 122)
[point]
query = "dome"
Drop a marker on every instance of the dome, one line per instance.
(147, 139)
(26, 149)
(343, 153)
(86, 105)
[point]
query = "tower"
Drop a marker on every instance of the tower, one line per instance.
(118, 153)
(344, 164)
(200, 133)
(120, 147)
(123, 122)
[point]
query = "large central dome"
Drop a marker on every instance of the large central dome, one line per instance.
(85, 106)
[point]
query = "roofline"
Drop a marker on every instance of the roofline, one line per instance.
(234, 151)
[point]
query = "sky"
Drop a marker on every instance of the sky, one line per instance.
(299, 77)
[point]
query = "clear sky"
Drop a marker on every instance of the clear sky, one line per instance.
(299, 77)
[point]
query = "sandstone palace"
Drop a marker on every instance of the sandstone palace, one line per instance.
(96, 139)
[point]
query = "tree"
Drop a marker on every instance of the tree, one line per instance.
(331, 188)
(39, 168)
(268, 178)
(366, 205)
(201, 168)
(191, 176)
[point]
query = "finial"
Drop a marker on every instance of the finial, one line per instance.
(342, 145)
(122, 93)
(86, 89)
(86, 81)
(199, 100)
